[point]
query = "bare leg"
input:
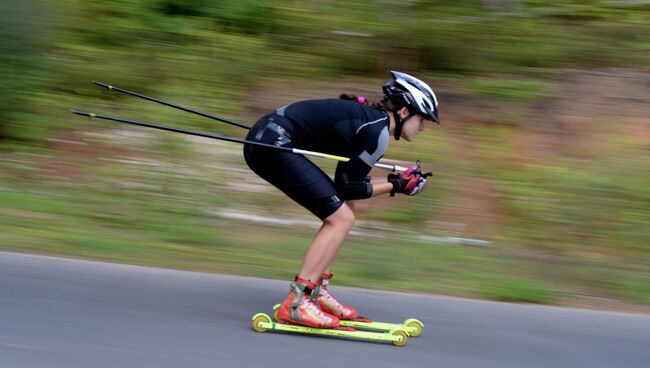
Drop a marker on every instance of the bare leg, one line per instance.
(328, 240)
(328, 269)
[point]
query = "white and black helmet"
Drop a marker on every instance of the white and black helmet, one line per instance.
(414, 94)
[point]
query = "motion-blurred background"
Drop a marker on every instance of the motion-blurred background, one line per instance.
(541, 186)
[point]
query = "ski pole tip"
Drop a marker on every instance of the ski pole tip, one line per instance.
(83, 113)
(108, 86)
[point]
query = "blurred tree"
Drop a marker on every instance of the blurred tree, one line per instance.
(246, 16)
(20, 53)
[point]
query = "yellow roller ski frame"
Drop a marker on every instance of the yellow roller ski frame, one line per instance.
(412, 326)
(262, 323)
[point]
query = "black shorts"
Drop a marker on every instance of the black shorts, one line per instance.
(293, 174)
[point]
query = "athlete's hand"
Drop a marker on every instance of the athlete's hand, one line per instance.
(410, 182)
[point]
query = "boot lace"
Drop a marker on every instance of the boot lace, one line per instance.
(307, 303)
(335, 303)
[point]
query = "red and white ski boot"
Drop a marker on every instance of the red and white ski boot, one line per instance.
(298, 308)
(328, 303)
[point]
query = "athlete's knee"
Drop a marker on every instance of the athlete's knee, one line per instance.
(343, 217)
(351, 204)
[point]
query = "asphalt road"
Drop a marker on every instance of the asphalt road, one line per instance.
(68, 313)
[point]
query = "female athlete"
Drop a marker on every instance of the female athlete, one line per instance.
(347, 128)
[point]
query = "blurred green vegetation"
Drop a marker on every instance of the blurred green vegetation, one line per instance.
(569, 218)
(509, 89)
(211, 51)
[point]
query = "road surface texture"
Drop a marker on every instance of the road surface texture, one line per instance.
(66, 313)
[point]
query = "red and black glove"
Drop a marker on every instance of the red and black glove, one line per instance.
(410, 182)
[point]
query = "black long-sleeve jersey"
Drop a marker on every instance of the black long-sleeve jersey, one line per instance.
(344, 128)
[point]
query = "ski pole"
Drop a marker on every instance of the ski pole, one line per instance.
(392, 168)
(187, 109)
(211, 135)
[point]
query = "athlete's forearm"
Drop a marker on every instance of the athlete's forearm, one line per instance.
(381, 187)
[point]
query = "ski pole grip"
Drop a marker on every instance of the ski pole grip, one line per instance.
(392, 168)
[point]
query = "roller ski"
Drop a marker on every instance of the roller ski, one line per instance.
(300, 314)
(262, 323)
(412, 326)
(348, 316)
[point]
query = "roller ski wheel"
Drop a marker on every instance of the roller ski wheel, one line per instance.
(262, 323)
(402, 337)
(276, 310)
(412, 326)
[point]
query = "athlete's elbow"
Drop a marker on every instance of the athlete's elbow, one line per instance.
(356, 190)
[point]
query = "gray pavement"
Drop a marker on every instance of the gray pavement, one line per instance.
(58, 312)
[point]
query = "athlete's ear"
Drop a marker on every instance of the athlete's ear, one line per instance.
(403, 112)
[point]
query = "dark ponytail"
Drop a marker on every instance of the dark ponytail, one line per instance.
(384, 104)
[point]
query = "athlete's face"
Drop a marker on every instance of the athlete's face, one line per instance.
(413, 126)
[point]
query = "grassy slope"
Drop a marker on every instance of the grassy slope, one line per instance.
(152, 198)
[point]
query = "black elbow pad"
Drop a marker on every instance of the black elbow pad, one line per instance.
(350, 190)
